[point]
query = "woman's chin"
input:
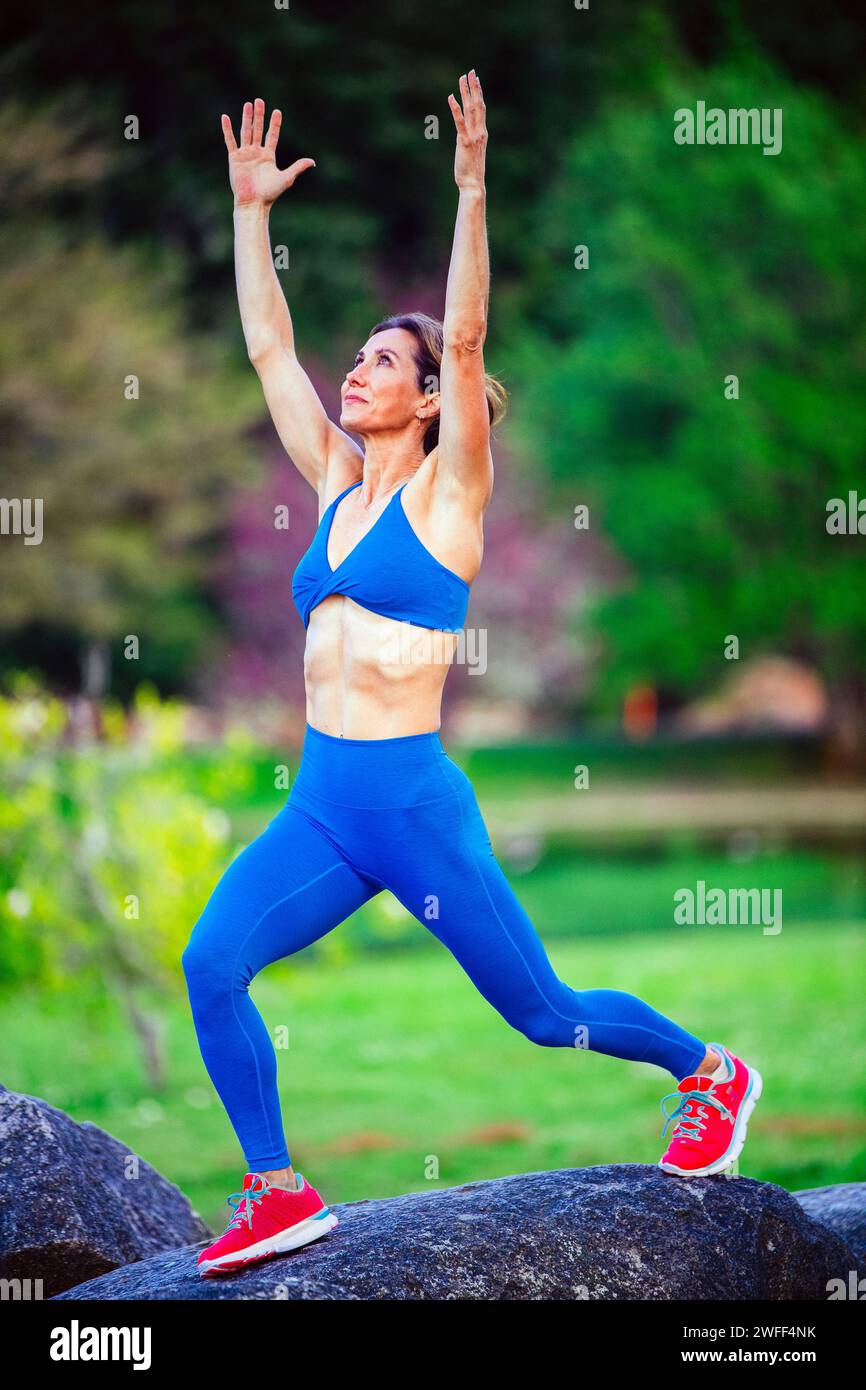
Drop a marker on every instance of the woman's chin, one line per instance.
(352, 419)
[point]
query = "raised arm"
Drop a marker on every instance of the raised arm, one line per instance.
(464, 427)
(315, 444)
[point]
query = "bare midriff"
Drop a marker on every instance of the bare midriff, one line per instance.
(369, 677)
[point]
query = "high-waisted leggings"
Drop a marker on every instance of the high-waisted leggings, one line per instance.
(362, 816)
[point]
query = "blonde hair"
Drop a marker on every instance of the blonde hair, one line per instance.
(429, 338)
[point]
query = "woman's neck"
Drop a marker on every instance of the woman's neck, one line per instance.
(389, 461)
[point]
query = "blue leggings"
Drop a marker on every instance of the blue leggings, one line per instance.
(364, 815)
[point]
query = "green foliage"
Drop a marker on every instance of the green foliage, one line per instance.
(707, 261)
(106, 854)
(110, 847)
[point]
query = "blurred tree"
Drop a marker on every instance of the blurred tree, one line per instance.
(126, 427)
(580, 109)
(356, 93)
(708, 262)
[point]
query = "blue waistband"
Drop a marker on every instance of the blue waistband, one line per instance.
(380, 743)
(371, 773)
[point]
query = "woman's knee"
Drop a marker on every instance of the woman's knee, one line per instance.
(558, 1016)
(210, 975)
(541, 1024)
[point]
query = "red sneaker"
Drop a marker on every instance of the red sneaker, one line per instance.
(712, 1119)
(266, 1221)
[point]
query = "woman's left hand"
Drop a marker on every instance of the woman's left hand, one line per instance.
(471, 133)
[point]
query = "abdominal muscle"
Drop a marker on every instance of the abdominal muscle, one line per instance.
(372, 677)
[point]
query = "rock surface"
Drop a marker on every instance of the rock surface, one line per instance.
(626, 1231)
(843, 1209)
(74, 1202)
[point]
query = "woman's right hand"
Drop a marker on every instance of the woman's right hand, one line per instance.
(253, 172)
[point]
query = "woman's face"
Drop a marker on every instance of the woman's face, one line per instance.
(381, 390)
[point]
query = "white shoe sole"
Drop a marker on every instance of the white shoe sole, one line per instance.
(738, 1138)
(292, 1239)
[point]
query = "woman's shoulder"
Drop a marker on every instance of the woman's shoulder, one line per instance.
(343, 470)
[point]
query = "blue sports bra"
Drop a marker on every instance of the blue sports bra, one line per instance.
(390, 571)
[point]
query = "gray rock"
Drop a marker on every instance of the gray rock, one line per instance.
(74, 1202)
(843, 1209)
(626, 1231)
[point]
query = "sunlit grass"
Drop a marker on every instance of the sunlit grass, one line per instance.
(396, 1064)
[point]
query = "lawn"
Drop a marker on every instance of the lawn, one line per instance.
(399, 1076)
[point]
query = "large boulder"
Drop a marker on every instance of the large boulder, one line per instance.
(843, 1209)
(74, 1202)
(627, 1231)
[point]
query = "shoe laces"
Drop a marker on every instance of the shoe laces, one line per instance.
(244, 1203)
(694, 1115)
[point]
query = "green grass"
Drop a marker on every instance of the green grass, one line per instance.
(593, 894)
(396, 1064)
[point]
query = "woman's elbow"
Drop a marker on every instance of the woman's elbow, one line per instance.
(464, 339)
(261, 348)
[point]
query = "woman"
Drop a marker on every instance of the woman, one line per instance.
(377, 803)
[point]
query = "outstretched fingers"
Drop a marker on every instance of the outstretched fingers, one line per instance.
(457, 114)
(258, 120)
(252, 127)
(228, 134)
(469, 119)
(473, 104)
(475, 89)
(247, 123)
(254, 154)
(273, 134)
